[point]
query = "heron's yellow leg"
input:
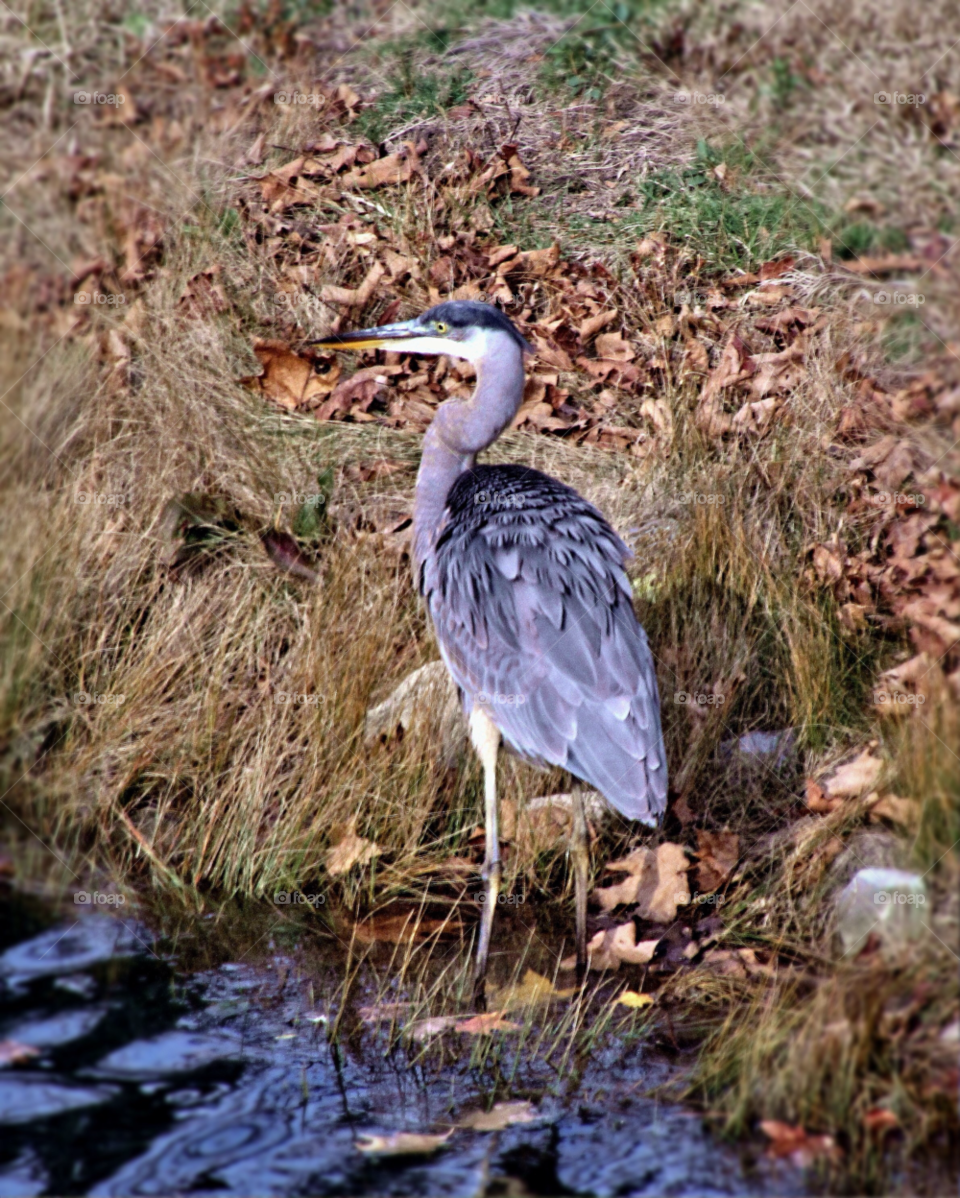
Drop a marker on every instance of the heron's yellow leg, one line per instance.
(486, 740)
(580, 854)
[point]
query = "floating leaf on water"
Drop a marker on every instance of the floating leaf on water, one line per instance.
(383, 1011)
(502, 1115)
(533, 990)
(402, 1143)
(12, 1052)
(426, 1029)
(483, 1025)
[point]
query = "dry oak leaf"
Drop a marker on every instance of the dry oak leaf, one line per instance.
(611, 946)
(755, 417)
(289, 379)
(856, 777)
(350, 850)
(778, 372)
(593, 324)
(797, 1144)
(718, 853)
(896, 809)
(503, 1114)
(357, 392)
(402, 1143)
(394, 168)
(613, 347)
(734, 963)
(657, 881)
(880, 1118)
(483, 1025)
(354, 296)
(817, 800)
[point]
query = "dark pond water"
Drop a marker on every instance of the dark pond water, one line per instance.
(158, 1072)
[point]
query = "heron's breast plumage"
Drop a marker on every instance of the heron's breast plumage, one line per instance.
(532, 608)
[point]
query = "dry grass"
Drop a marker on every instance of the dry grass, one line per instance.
(200, 781)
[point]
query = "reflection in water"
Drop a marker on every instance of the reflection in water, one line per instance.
(152, 1079)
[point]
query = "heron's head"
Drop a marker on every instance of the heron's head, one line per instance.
(460, 328)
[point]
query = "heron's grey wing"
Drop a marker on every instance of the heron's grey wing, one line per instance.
(534, 616)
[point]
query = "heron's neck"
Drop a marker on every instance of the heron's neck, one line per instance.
(460, 430)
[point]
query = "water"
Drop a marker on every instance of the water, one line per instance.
(162, 1072)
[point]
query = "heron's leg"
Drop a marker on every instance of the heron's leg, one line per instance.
(580, 853)
(486, 740)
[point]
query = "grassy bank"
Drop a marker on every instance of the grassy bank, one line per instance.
(205, 581)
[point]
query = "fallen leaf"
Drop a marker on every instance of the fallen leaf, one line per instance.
(483, 1025)
(383, 1011)
(896, 809)
(354, 297)
(425, 1029)
(289, 379)
(856, 777)
(614, 347)
(612, 946)
(286, 555)
(503, 1114)
(402, 1143)
(350, 850)
(797, 1144)
(817, 799)
(718, 853)
(532, 991)
(394, 168)
(879, 1118)
(404, 928)
(657, 881)
(631, 998)
(12, 1052)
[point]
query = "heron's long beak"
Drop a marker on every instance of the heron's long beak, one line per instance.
(384, 336)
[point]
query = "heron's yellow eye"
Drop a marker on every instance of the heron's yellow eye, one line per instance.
(440, 326)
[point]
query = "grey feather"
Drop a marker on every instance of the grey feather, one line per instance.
(530, 601)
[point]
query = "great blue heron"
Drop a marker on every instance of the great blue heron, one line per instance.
(525, 585)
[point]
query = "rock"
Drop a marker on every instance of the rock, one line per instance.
(887, 903)
(867, 848)
(426, 699)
